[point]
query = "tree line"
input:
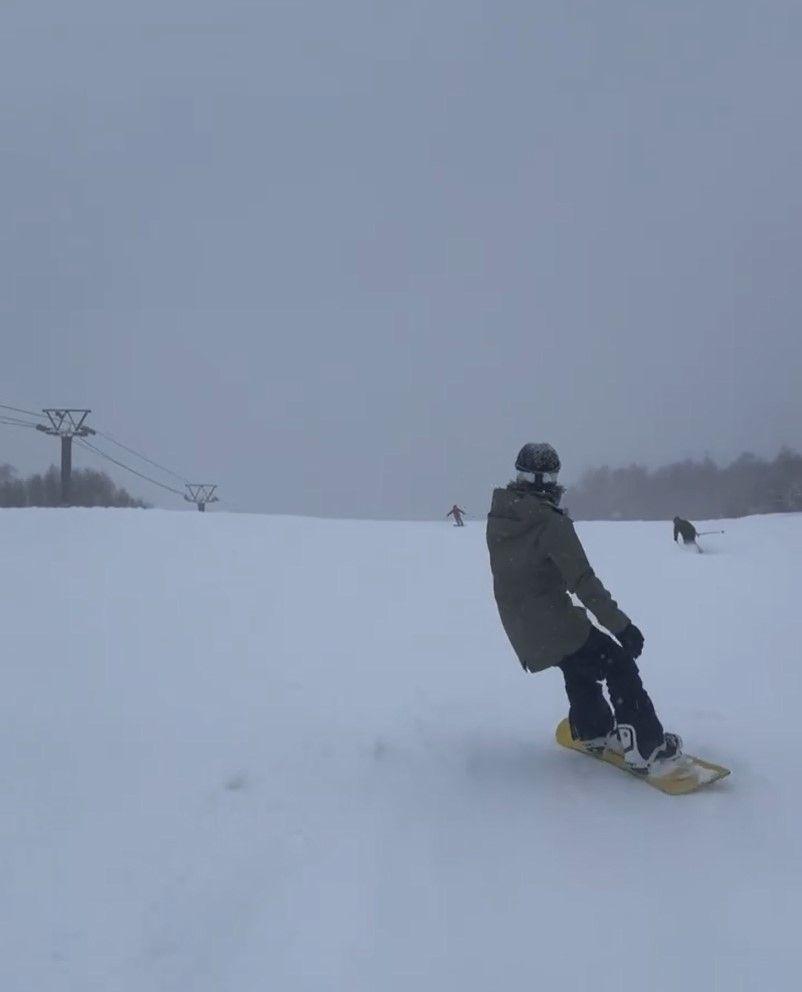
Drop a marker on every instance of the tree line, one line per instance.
(700, 490)
(89, 488)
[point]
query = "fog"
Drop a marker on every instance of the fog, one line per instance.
(345, 258)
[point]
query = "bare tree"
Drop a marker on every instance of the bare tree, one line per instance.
(693, 489)
(89, 488)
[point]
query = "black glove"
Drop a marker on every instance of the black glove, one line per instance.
(631, 640)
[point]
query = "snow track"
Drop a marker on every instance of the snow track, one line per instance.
(244, 753)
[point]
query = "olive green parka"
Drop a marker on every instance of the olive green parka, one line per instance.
(537, 559)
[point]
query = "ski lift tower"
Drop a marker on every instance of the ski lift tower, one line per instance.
(66, 423)
(201, 493)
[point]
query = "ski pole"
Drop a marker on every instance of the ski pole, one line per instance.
(702, 533)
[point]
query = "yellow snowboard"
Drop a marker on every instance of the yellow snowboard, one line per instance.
(697, 774)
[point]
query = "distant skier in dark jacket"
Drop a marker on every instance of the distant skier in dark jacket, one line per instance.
(457, 514)
(686, 530)
(537, 559)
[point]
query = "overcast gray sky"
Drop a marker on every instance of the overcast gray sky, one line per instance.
(345, 257)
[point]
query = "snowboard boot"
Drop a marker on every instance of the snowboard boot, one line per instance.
(666, 759)
(609, 742)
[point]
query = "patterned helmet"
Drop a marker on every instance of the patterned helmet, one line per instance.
(538, 459)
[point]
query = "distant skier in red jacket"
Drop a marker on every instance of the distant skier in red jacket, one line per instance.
(457, 514)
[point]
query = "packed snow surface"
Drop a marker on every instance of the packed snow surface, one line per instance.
(243, 753)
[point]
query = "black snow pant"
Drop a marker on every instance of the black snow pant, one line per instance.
(601, 659)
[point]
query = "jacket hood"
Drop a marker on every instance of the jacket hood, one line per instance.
(550, 491)
(516, 509)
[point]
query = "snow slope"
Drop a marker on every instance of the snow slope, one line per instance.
(243, 753)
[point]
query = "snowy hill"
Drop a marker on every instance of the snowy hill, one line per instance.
(243, 753)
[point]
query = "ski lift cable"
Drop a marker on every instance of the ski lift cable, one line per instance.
(138, 454)
(16, 422)
(17, 409)
(85, 444)
(131, 451)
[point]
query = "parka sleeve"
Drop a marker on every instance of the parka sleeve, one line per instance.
(565, 550)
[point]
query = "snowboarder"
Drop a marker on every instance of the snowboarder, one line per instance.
(457, 514)
(536, 558)
(686, 530)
